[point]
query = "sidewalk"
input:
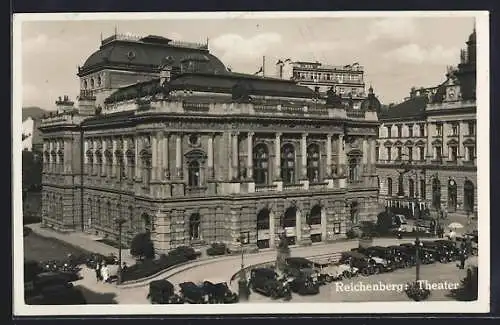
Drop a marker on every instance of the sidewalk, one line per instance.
(82, 240)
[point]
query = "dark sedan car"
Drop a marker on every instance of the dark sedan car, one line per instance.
(402, 256)
(192, 293)
(218, 292)
(441, 253)
(162, 292)
(363, 263)
(266, 281)
(426, 255)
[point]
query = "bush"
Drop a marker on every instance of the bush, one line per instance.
(185, 251)
(384, 222)
(368, 229)
(142, 246)
(352, 233)
(417, 292)
(217, 249)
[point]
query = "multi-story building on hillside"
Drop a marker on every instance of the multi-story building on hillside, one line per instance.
(197, 154)
(426, 150)
(347, 81)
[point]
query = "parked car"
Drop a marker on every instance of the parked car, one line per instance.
(441, 252)
(381, 256)
(266, 281)
(162, 292)
(192, 293)
(363, 263)
(43, 280)
(305, 283)
(299, 266)
(451, 246)
(218, 292)
(189, 252)
(402, 257)
(426, 255)
(329, 272)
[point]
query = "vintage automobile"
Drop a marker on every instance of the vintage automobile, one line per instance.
(305, 283)
(192, 293)
(218, 292)
(426, 256)
(44, 280)
(266, 281)
(329, 272)
(163, 292)
(402, 257)
(363, 263)
(452, 246)
(442, 253)
(299, 266)
(381, 256)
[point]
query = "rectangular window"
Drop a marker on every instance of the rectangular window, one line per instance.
(439, 129)
(471, 126)
(377, 153)
(399, 149)
(388, 131)
(422, 130)
(400, 131)
(470, 153)
(454, 129)
(410, 153)
(422, 188)
(410, 131)
(389, 153)
(437, 152)
(336, 228)
(421, 153)
(453, 153)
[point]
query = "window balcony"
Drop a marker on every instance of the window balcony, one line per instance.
(318, 186)
(266, 188)
(293, 187)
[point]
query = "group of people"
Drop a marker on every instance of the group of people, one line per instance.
(102, 272)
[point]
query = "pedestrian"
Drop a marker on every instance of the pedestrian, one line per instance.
(462, 259)
(124, 267)
(451, 235)
(105, 273)
(98, 274)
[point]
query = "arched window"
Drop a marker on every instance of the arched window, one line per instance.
(401, 187)
(260, 164)
(263, 219)
(389, 186)
(60, 154)
(98, 162)
(313, 158)
(130, 164)
(90, 163)
(194, 174)
(452, 195)
(354, 170)
(422, 189)
(411, 188)
(436, 193)
(92, 84)
(99, 81)
(54, 161)
(468, 196)
(354, 212)
(288, 164)
(194, 226)
(290, 217)
(146, 168)
(85, 85)
(314, 217)
(98, 213)
(108, 162)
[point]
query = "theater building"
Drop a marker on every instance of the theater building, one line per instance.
(197, 154)
(426, 152)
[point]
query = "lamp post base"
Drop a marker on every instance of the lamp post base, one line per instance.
(243, 289)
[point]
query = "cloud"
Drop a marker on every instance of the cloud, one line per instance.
(234, 48)
(415, 54)
(396, 29)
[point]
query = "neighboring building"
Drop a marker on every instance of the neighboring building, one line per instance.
(198, 154)
(434, 134)
(32, 140)
(347, 80)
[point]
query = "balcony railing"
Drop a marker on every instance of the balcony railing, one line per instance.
(293, 187)
(318, 186)
(355, 114)
(266, 188)
(196, 107)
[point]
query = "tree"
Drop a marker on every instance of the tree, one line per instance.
(283, 253)
(384, 222)
(32, 171)
(142, 247)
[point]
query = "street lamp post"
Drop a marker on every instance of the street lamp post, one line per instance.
(417, 259)
(242, 282)
(120, 221)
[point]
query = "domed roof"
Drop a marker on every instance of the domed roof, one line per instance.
(146, 55)
(371, 103)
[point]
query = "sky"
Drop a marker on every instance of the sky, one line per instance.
(397, 52)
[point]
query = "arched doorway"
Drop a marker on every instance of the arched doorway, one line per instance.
(261, 164)
(436, 194)
(314, 221)
(468, 196)
(263, 228)
(289, 224)
(194, 227)
(389, 186)
(452, 195)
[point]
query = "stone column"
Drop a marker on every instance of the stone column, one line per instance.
(303, 153)
(277, 155)
(124, 154)
(67, 156)
(340, 156)
(210, 156)
(104, 159)
(461, 149)
(298, 226)
(58, 160)
(430, 129)
(154, 156)
(166, 156)
(373, 155)
(159, 166)
(85, 157)
(137, 157)
(235, 155)
(328, 173)
(178, 155)
(444, 147)
(94, 165)
(51, 158)
(115, 160)
(272, 230)
(250, 155)
(324, 223)
(365, 156)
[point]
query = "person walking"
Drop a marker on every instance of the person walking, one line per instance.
(462, 259)
(98, 274)
(105, 272)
